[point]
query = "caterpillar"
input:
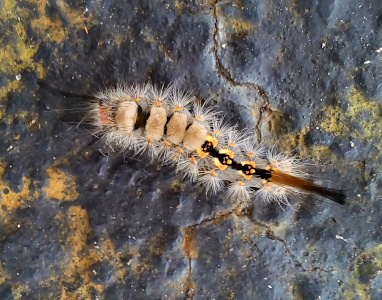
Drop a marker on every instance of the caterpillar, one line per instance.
(169, 126)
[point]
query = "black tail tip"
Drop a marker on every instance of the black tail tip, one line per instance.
(56, 92)
(338, 196)
(43, 84)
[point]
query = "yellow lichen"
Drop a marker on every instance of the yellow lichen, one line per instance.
(18, 291)
(79, 264)
(3, 275)
(363, 117)
(60, 186)
(367, 266)
(177, 186)
(11, 200)
(18, 53)
(367, 114)
(334, 120)
(82, 257)
(238, 24)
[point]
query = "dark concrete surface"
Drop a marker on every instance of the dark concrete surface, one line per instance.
(75, 224)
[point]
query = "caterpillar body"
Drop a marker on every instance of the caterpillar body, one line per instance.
(172, 128)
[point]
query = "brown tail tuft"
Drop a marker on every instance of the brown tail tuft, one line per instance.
(281, 178)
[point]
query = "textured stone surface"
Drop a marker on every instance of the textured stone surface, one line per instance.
(75, 224)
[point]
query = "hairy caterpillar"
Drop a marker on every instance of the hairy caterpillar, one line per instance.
(171, 128)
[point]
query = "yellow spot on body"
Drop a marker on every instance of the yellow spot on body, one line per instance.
(178, 108)
(180, 150)
(199, 118)
(232, 144)
(218, 133)
(246, 177)
(220, 165)
(265, 181)
(251, 163)
(213, 173)
(167, 143)
(61, 186)
(230, 153)
(150, 141)
(158, 104)
(251, 155)
(268, 168)
(136, 99)
(201, 153)
(212, 140)
(241, 183)
(194, 161)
